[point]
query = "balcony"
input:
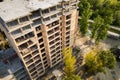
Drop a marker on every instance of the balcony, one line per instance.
(17, 33)
(32, 70)
(56, 29)
(45, 13)
(58, 48)
(51, 20)
(34, 75)
(50, 32)
(35, 15)
(52, 25)
(68, 22)
(57, 39)
(36, 58)
(39, 35)
(36, 22)
(40, 40)
(24, 19)
(52, 47)
(38, 28)
(67, 44)
(31, 67)
(68, 28)
(68, 37)
(51, 12)
(52, 52)
(52, 42)
(42, 45)
(57, 34)
(24, 38)
(14, 25)
(58, 44)
(29, 62)
(68, 17)
(33, 48)
(35, 53)
(51, 37)
(43, 50)
(27, 58)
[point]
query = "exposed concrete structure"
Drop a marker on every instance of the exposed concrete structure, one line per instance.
(38, 30)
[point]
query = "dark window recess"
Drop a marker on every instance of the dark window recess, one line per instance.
(39, 35)
(38, 61)
(52, 51)
(43, 54)
(41, 40)
(44, 58)
(24, 19)
(35, 52)
(35, 14)
(53, 55)
(68, 16)
(32, 70)
(45, 62)
(42, 50)
(42, 45)
(34, 73)
(52, 42)
(68, 22)
(31, 66)
(12, 23)
(26, 27)
(37, 57)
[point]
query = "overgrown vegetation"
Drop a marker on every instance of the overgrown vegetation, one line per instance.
(98, 61)
(107, 9)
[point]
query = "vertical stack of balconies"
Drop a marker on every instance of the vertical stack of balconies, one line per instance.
(52, 33)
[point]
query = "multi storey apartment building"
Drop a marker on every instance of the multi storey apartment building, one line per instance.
(38, 30)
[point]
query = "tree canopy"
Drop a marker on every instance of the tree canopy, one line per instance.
(86, 14)
(69, 61)
(97, 61)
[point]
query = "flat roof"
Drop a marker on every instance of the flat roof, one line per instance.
(13, 9)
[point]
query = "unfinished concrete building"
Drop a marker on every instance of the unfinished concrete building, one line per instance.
(38, 30)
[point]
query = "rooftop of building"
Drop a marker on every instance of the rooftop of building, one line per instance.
(13, 9)
(11, 67)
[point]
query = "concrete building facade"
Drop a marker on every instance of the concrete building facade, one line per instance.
(38, 30)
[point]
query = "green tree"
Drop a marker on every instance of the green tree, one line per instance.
(97, 61)
(108, 59)
(93, 63)
(87, 12)
(99, 29)
(69, 61)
